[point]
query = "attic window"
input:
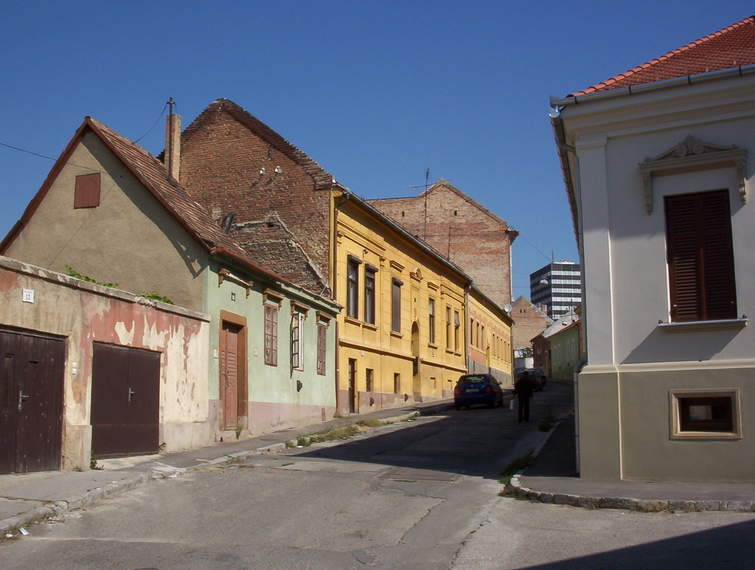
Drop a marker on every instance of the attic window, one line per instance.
(456, 212)
(87, 191)
(403, 214)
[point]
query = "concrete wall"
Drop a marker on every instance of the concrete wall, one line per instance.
(115, 241)
(634, 361)
(84, 313)
(275, 399)
(445, 220)
(376, 347)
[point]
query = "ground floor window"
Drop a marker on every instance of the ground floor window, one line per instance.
(705, 414)
(396, 383)
(370, 379)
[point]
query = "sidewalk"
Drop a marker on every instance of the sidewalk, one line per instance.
(30, 497)
(553, 479)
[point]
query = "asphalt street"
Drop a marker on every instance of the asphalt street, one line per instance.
(419, 494)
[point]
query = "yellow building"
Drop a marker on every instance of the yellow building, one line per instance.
(401, 333)
(490, 338)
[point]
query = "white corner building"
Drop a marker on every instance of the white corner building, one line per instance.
(658, 164)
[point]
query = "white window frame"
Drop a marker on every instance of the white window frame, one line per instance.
(297, 339)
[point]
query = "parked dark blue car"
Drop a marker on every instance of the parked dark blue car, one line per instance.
(474, 389)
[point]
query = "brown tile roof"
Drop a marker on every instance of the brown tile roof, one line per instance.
(730, 47)
(152, 175)
(321, 177)
(275, 246)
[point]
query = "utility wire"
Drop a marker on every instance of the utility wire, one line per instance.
(548, 257)
(18, 148)
(160, 116)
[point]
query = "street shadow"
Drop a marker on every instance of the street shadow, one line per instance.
(731, 546)
(467, 442)
(558, 458)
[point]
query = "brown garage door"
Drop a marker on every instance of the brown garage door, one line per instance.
(125, 401)
(31, 401)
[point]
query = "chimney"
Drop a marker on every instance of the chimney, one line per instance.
(173, 142)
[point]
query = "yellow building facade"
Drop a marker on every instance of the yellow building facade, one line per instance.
(490, 338)
(401, 333)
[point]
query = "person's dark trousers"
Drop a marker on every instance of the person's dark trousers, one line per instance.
(524, 409)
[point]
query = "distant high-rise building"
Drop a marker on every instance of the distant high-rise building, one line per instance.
(557, 288)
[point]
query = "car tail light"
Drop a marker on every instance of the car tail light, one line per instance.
(457, 391)
(488, 390)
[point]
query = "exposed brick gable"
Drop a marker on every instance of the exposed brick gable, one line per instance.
(529, 322)
(463, 231)
(233, 163)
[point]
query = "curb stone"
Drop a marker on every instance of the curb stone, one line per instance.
(624, 503)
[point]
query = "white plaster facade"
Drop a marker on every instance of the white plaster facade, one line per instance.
(636, 359)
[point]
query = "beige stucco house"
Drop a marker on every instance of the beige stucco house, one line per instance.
(659, 173)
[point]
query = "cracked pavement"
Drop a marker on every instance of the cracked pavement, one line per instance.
(409, 495)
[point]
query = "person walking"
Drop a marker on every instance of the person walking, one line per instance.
(524, 388)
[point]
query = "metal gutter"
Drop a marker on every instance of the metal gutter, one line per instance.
(738, 71)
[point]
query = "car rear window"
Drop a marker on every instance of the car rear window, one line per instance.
(472, 379)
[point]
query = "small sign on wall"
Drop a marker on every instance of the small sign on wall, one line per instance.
(27, 295)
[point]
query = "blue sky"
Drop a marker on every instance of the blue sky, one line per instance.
(375, 92)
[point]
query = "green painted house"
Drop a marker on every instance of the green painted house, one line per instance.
(115, 213)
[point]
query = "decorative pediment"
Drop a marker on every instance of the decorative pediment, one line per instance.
(416, 274)
(690, 155)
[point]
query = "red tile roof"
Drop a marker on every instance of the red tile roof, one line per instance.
(732, 46)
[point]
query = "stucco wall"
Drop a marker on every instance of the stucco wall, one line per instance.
(633, 362)
(129, 239)
(274, 402)
(377, 347)
(498, 359)
(564, 353)
(84, 313)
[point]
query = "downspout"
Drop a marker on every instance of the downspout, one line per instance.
(466, 326)
(334, 289)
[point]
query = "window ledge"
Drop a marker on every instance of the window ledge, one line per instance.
(704, 325)
(369, 326)
(707, 435)
(352, 321)
(397, 334)
(432, 345)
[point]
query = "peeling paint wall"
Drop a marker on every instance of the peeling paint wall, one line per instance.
(84, 313)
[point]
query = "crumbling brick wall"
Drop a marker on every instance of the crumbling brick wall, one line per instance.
(461, 230)
(231, 169)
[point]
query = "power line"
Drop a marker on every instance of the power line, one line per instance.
(160, 116)
(31, 152)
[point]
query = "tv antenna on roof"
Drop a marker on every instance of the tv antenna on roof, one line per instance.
(426, 185)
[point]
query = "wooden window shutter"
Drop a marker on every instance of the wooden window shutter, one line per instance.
(86, 192)
(700, 257)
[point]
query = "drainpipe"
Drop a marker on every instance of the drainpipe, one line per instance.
(466, 326)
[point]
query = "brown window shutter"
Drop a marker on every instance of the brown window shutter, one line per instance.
(700, 257)
(321, 348)
(87, 191)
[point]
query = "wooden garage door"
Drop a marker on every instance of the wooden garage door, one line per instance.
(31, 401)
(125, 401)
